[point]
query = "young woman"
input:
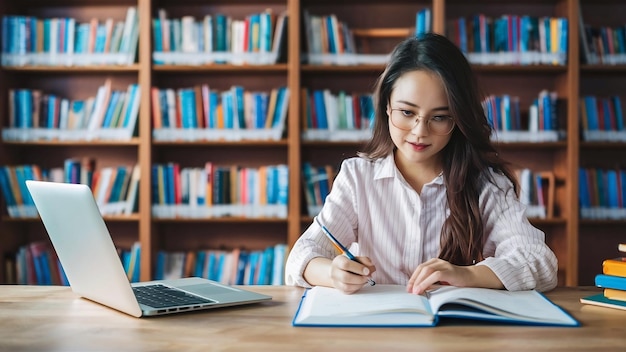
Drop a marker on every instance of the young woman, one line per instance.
(428, 200)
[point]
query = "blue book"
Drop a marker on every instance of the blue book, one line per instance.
(619, 118)
(324, 306)
(600, 300)
(612, 189)
(320, 109)
(611, 281)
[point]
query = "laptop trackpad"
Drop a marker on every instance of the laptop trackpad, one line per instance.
(208, 290)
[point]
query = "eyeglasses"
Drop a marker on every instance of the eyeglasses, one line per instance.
(407, 120)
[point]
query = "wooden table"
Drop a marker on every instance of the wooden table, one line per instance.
(35, 318)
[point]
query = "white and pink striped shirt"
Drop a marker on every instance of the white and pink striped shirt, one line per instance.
(372, 209)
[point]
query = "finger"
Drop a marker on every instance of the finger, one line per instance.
(420, 272)
(423, 285)
(352, 266)
(368, 263)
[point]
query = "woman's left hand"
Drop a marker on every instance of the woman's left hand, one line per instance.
(439, 271)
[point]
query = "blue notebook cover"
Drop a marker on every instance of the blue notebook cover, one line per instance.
(600, 300)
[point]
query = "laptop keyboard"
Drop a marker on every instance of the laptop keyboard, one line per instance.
(161, 296)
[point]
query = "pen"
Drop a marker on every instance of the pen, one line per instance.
(342, 248)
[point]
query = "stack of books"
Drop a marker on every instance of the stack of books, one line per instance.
(613, 282)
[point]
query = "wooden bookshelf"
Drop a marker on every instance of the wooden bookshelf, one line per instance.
(575, 242)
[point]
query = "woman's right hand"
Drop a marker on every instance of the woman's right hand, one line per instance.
(348, 275)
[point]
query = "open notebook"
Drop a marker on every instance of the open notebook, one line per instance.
(391, 305)
(93, 268)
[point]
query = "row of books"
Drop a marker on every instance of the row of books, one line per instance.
(340, 116)
(612, 280)
(219, 190)
(602, 44)
(213, 114)
(28, 40)
(231, 267)
(259, 38)
(602, 119)
(536, 192)
(511, 39)
(504, 115)
(602, 193)
(317, 182)
(110, 114)
(37, 264)
(115, 188)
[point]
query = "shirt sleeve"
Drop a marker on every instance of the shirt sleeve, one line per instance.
(338, 215)
(514, 249)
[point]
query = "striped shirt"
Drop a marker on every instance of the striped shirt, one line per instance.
(373, 210)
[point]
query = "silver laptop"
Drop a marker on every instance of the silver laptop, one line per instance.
(94, 270)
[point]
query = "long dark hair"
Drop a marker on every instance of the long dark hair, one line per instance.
(468, 155)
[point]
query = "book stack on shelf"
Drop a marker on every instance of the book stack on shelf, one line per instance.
(203, 114)
(602, 193)
(336, 117)
(317, 182)
(612, 281)
(37, 264)
(604, 45)
(231, 267)
(511, 39)
(331, 41)
(537, 192)
(540, 125)
(219, 191)
(109, 115)
(29, 40)
(602, 119)
(115, 188)
(259, 39)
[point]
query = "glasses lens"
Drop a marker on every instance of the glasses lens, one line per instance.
(436, 124)
(440, 125)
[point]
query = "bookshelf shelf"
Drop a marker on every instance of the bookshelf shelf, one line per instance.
(74, 69)
(255, 69)
(382, 25)
(133, 142)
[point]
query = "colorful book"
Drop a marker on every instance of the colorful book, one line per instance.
(392, 306)
(600, 300)
(610, 281)
(611, 293)
(615, 266)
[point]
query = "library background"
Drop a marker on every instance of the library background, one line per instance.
(210, 133)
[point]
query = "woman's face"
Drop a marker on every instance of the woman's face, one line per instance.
(417, 98)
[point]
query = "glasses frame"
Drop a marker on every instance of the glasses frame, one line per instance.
(420, 119)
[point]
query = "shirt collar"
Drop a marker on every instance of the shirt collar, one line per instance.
(386, 168)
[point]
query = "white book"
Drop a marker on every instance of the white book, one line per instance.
(391, 305)
(54, 35)
(207, 27)
(189, 35)
(70, 34)
(332, 111)
(64, 114)
(129, 23)
(101, 103)
(170, 96)
(349, 112)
